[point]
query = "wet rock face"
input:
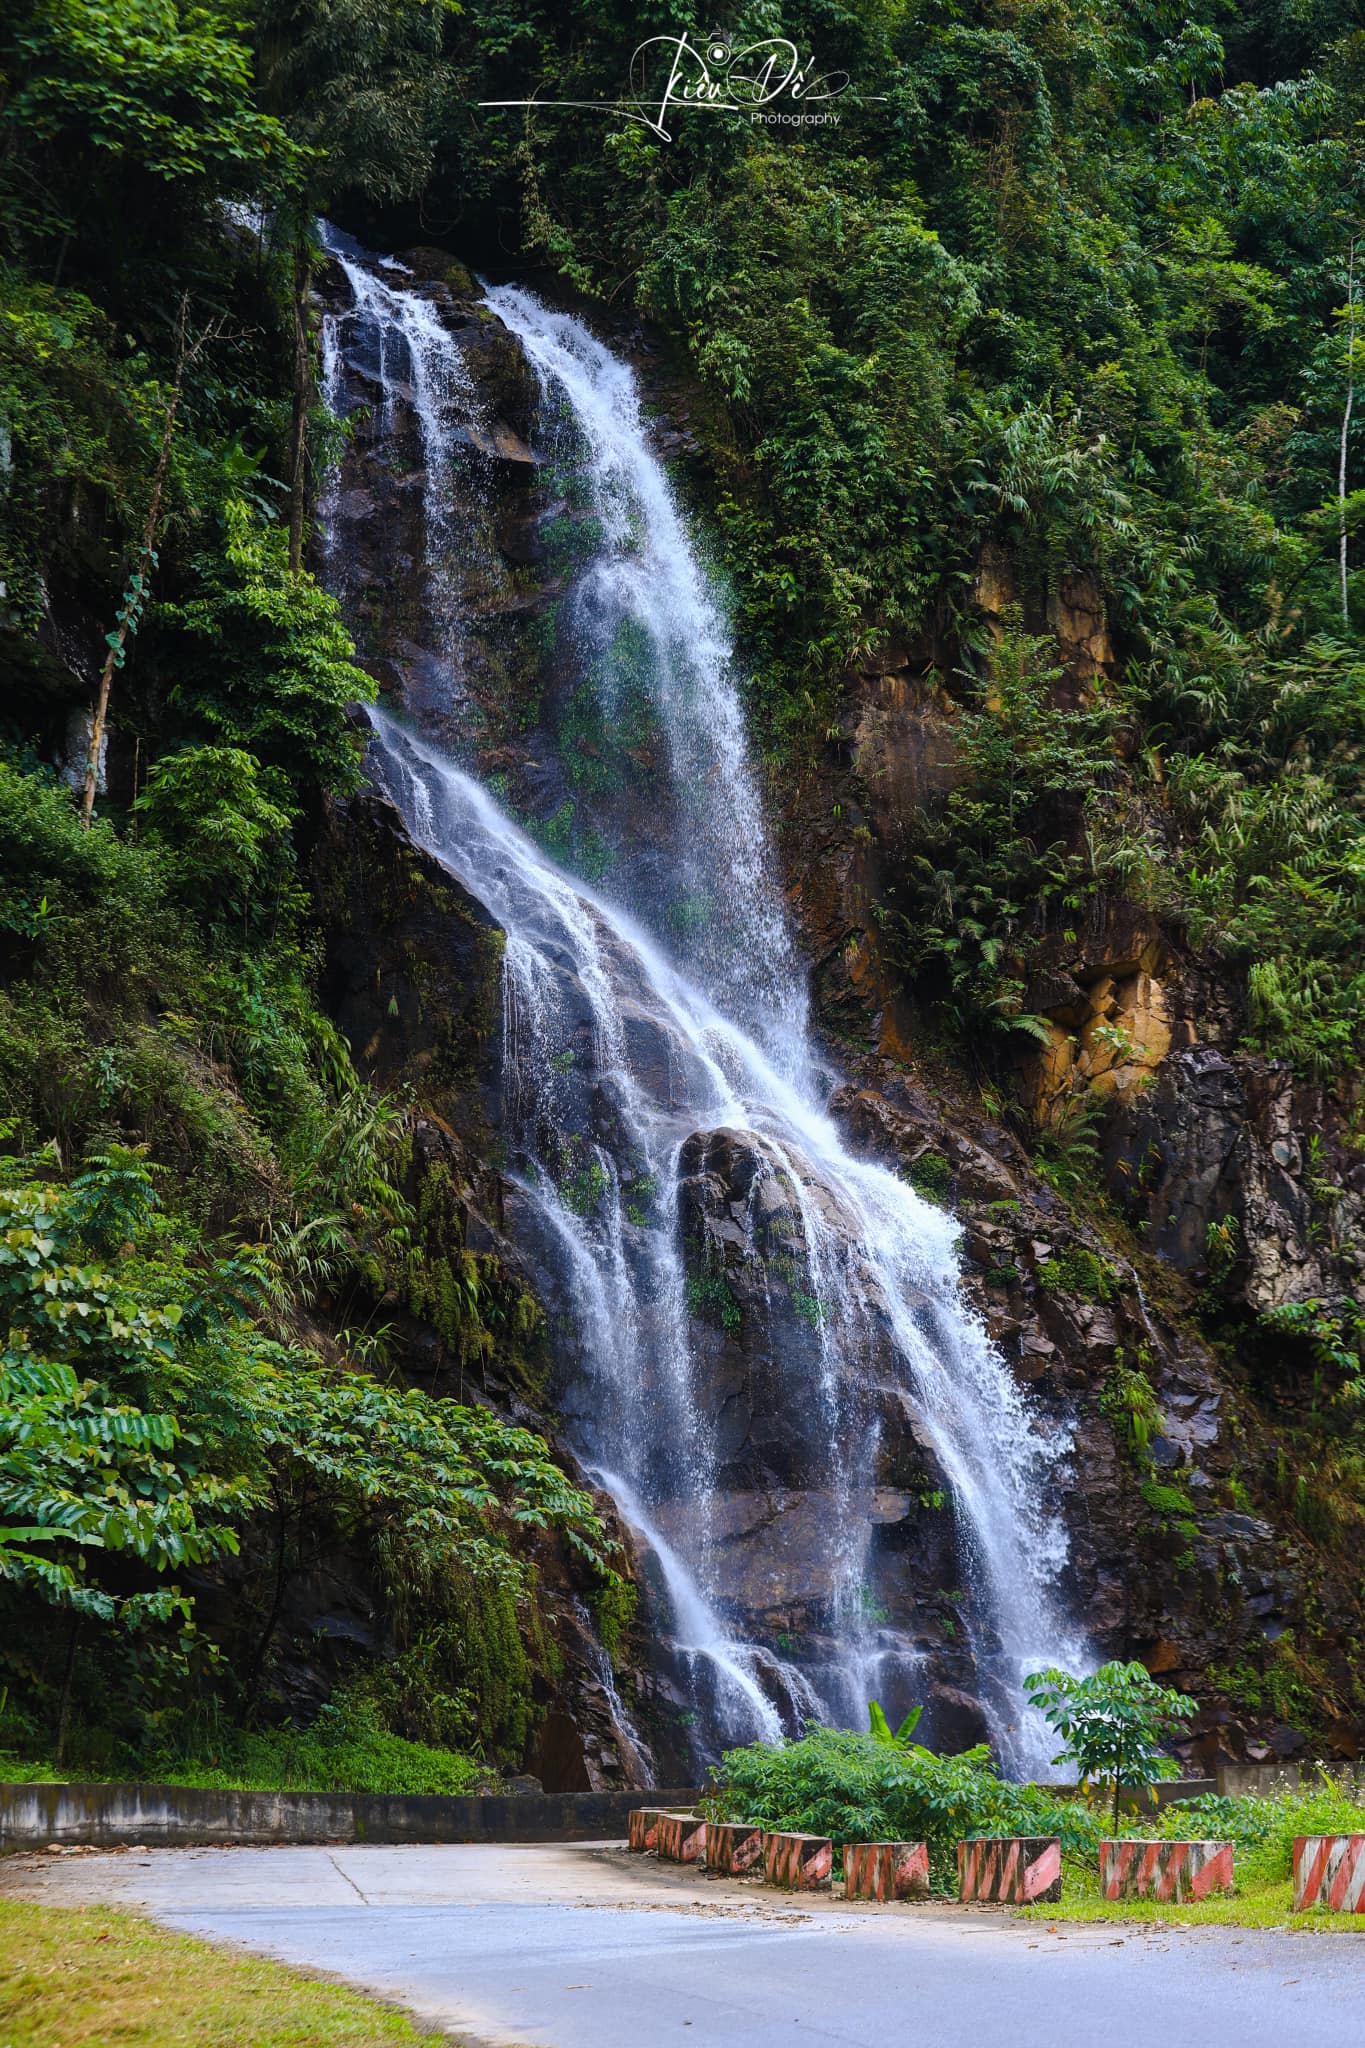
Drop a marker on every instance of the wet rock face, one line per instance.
(1197, 1137)
(392, 566)
(413, 963)
(1234, 1170)
(761, 1380)
(1157, 1566)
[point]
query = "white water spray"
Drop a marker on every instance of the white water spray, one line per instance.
(620, 1047)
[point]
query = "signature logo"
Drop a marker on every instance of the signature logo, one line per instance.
(710, 76)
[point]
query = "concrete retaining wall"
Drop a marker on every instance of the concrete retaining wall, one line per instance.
(1262, 1781)
(142, 1816)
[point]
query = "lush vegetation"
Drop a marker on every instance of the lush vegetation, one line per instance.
(865, 1788)
(1071, 292)
(211, 1225)
(1113, 1725)
(879, 1787)
(1063, 313)
(89, 1976)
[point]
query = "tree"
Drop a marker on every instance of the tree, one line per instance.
(135, 595)
(1113, 1723)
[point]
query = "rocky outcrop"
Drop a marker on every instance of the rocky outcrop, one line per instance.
(1238, 1173)
(1204, 1150)
(1212, 1188)
(1163, 1566)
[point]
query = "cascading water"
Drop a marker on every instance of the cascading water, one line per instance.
(407, 352)
(663, 1107)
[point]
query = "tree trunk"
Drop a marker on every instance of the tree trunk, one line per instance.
(302, 399)
(118, 638)
(64, 1705)
(267, 1635)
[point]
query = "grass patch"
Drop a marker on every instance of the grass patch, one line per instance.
(1259, 1902)
(1262, 1833)
(90, 1977)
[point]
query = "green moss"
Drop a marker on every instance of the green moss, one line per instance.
(709, 1294)
(1079, 1271)
(613, 1607)
(1170, 1502)
(930, 1176)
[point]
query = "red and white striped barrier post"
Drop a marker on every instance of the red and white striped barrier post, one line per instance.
(681, 1838)
(801, 1863)
(1011, 1870)
(1171, 1871)
(886, 1870)
(733, 1846)
(1329, 1870)
(642, 1828)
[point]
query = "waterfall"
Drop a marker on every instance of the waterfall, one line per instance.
(668, 1138)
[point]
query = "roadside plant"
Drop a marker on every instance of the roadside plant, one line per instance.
(881, 1728)
(1112, 1724)
(868, 1788)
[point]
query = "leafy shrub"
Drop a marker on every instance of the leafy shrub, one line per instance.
(346, 1749)
(224, 824)
(857, 1788)
(264, 661)
(1113, 1724)
(1079, 1271)
(1129, 1400)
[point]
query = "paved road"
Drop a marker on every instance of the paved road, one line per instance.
(582, 1947)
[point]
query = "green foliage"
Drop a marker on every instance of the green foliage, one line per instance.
(1005, 848)
(264, 661)
(87, 1463)
(864, 1788)
(882, 1731)
(347, 1748)
(1276, 1682)
(613, 1609)
(1066, 1146)
(360, 85)
(161, 85)
(931, 1176)
(1333, 1336)
(144, 1409)
(1129, 1401)
(710, 1294)
(226, 838)
(1079, 1271)
(1113, 1723)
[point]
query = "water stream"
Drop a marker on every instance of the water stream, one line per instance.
(657, 1058)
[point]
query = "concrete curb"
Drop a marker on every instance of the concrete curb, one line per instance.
(1329, 1870)
(1010, 1870)
(1177, 1872)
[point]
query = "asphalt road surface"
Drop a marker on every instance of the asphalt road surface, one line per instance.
(586, 1947)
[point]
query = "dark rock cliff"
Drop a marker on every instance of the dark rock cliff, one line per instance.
(1219, 1184)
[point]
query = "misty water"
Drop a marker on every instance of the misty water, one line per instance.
(668, 998)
